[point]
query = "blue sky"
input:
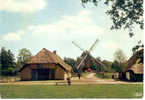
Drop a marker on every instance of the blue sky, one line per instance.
(54, 24)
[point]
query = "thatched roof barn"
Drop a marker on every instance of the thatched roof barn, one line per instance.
(138, 55)
(135, 63)
(45, 65)
(135, 69)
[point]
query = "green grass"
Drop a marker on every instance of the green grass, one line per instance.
(74, 91)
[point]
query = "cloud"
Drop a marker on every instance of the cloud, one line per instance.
(111, 45)
(67, 27)
(73, 26)
(13, 36)
(22, 6)
(58, 34)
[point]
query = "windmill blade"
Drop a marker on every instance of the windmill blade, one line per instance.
(77, 46)
(92, 47)
(82, 61)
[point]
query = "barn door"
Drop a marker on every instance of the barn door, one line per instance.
(40, 74)
(34, 74)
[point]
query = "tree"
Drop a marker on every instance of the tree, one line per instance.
(4, 58)
(120, 60)
(0, 64)
(92, 65)
(120, 56)
(7, 62)
(0, 70)
(116, 66)
(71, 62)
(108, 66)
(124, 13)
(137, 47)
(23, 56)
(11, 59)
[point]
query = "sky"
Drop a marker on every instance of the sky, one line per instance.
(54, 24)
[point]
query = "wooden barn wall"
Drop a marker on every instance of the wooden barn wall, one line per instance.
(26, 72)
(59, 74)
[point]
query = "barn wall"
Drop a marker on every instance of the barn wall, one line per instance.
(59, 72)
(26, 74)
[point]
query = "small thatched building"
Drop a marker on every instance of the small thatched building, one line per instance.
(135, 67)
(45, 65)
(139, 55)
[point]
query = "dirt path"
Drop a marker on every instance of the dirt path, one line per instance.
(90, 78)
(91, 75)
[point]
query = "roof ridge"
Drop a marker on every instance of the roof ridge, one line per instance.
(46, 56)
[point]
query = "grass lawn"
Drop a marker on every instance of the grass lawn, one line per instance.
(74, 91)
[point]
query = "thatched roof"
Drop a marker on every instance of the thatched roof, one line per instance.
(45, 56)
(134, 58)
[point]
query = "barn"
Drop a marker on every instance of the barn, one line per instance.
(135, 67)
(45, 65)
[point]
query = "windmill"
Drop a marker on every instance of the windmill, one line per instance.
(86, 54)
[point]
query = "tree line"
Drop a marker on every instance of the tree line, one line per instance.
(10, 66)
(96, 64)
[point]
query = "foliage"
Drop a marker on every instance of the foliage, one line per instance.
(137, 47)
(92, 63)
(107, 63)
(7, 62)
(99, 68)
(23, 56)
(73, 91)
(116, 66)
(119, 67)
(120, 63)
(93, 66)
(107, 67)
(0, 66)
(89, 62)
(105, 75)
(124, 13)
(120, 56)
(71, 62)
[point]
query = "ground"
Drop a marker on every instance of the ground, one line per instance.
(88, 86)
(89, 78)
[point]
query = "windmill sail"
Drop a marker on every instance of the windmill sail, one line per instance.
(92, 47)
(82, 61)
(77, 46)
(87, 52)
